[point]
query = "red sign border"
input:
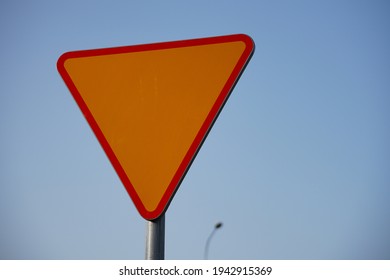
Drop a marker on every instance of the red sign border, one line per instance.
(204, 130)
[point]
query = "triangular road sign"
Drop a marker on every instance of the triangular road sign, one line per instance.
(151, 106)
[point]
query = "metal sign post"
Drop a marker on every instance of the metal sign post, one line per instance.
(155, 239)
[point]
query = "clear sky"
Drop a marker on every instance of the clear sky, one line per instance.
(296, 166)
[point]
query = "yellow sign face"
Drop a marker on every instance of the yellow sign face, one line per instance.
(151, 106)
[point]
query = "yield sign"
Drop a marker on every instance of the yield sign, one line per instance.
(151, 106)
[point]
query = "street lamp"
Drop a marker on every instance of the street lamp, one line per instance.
(206, 249)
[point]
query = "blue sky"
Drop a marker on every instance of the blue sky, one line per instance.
(296, 166)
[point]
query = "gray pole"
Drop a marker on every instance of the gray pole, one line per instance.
(155, 239)
(206, 249)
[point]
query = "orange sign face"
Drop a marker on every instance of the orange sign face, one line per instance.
(151, 106)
